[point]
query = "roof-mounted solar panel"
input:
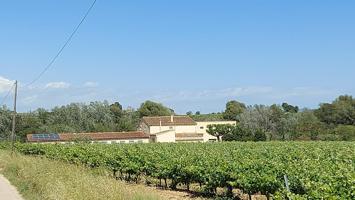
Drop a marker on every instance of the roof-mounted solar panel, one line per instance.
(46, 137)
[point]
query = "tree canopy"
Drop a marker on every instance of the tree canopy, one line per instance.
(340, 111)
(150, 108)
(233, 109)
(331, 121)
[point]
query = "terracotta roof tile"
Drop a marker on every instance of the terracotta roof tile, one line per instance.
(169, 121)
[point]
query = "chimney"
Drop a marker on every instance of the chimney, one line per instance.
(172, 118)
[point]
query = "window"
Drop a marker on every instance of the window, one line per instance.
(171, 128)
(131, 141)
(140, 141)
(201, 127)
(122, 142)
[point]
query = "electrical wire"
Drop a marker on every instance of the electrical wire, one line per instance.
(7, 95)
(63, 47)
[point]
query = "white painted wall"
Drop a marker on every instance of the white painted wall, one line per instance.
(167, 136)
(145, 140)
(158, 129)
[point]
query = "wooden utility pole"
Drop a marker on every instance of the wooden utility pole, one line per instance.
(14, 120)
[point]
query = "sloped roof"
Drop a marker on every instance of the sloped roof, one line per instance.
(63, 137)
(169, 121)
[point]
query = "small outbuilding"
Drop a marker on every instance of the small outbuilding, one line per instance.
(100, 137)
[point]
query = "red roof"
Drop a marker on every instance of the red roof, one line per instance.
(169, 121)
(63, 137)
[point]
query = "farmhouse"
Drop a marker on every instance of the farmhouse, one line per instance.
(105, 138)
(151, 129)
(177, 129)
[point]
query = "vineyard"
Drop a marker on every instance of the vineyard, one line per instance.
(313, 170)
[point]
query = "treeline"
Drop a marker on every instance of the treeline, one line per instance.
(78, 117)
(331, 121)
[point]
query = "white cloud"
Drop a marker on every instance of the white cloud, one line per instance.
(91, 84)
(57, 85)
(5, 84)
(29, 100)
(232, 92)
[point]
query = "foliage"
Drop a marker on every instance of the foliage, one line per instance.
(233, 109)
(150, 108)
(219, 130)
(5, 122)
(332, 121)
(207, 117)
(40, 178)
(75, 117)
(316, 170)
(341, 111)
(290, 108)
(346, 132)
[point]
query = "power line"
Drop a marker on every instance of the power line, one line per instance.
(63, 47)
(7, 95)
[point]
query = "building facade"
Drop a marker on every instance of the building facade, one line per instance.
(162, 129)
(178, 129)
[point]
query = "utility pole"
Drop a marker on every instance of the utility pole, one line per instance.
(14, 120)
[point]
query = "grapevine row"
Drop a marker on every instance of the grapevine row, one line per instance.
(315, 170)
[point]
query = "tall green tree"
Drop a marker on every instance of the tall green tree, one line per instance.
(340, 111)
(233, 109)
(150, 108)
(290, 108)
(5, 123)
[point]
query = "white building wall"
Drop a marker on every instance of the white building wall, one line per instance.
(185, 129)
(167, 136)
(126, 141)
(158, 129)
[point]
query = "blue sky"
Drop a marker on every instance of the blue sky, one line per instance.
(189, 55)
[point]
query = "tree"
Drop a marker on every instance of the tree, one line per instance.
(198, 113)
(308, 125)
(5, 123)
(258, 117)
(220, 130)
(239, 134)
(340, 111)
(116, 110)
(233, 109)
(290, 108)
(345, 132)
(150, 108)
(189, 113)
(260, 135)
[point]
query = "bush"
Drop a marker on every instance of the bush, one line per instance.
(345, 132)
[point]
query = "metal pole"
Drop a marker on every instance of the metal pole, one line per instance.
(14, 121)
(286, 183)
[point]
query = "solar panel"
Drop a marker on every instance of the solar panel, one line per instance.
(50, 137)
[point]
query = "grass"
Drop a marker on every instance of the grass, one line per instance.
(38, 178)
